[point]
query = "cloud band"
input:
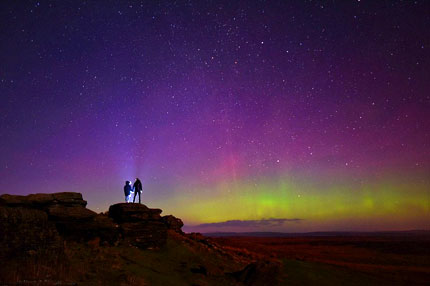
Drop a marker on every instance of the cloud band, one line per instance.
(252, 223)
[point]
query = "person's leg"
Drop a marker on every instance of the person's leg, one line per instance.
(134, 197)
(126, 199)
(140, 193)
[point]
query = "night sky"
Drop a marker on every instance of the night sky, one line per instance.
(236, 115)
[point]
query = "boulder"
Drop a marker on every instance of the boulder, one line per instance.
(145, 234)
(69, 198)
(25, 229)
(99, 226)
(139, 225)
(39, 199)
(61, 213)
(103, 227)
(126, 212)
(11, 200)
(173, 223)
(73, 222)
(42, 200)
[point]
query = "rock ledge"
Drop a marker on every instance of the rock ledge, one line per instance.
(44, 221)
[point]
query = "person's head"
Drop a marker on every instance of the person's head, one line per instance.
(137, 179)
(127, 182)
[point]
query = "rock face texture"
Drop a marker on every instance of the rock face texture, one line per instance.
(25, 230)
(126, 212)
(44, 221)
(139, 225)
(38, 232)
(173, 223)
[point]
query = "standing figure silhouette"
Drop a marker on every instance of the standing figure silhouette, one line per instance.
(127, 190)
(137, 188)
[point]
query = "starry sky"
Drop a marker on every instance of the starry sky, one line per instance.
(288, 116)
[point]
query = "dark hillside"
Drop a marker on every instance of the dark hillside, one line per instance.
(52, 239)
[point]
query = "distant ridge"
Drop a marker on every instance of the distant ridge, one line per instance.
(322, 233)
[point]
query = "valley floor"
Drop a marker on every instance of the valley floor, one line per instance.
(344, 260)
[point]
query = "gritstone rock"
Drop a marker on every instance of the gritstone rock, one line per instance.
(45, 221)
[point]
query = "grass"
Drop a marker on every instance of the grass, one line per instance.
(319, 261)
(298, 272)
(178, 263)
(364, 260)
(171, 265)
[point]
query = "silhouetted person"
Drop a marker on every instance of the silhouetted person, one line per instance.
(127, 190)
(137, 187)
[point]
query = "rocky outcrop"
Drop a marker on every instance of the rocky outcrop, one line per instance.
(26, 230)
(35, 230)
(41, 200)
(65, 212)
(44, 221)
(126, 212)
(140, 225)
(173, 223)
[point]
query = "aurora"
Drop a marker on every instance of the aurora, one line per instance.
(237, 116)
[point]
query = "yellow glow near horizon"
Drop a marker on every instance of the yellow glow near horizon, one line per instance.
(379, 202)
